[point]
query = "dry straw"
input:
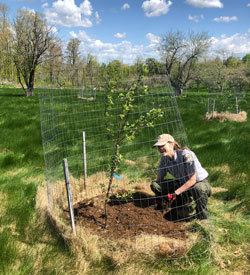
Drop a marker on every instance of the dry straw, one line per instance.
(87, 244)
(240, 117)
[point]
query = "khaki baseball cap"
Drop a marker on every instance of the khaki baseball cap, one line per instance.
(163, 139)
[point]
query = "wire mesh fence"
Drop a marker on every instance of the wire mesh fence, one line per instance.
(106, 134)
(224, 103)
(227, 106)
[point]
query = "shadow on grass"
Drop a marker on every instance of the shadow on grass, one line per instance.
(56, 233)
(107, 264)
(223, 195)
(13, 95)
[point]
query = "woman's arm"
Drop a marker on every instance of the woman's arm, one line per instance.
(187, 185)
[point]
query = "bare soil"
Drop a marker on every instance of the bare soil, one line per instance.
(126, 217)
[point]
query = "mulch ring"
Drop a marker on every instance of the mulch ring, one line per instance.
(126, 217)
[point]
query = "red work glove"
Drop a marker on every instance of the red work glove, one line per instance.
(171, 196)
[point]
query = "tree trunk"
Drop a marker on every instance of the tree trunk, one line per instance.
(30, 88)
(221, 89)
(178, 91)
(30, 91)
(51, 80)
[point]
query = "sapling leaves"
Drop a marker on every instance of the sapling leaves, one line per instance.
(121, 129)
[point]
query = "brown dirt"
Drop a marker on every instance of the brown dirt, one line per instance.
(126, 218)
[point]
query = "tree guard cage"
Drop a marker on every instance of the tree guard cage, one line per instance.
(224, 103)
(127, 117)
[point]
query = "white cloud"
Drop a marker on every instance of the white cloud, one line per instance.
(196, 18)
(226, 19)
(125, 6)
(205, 3)
(44, 5)
(29, 10)
(66, 13)
(106, 52)
(86, 8)
(153, 39)
(238, 44)
(82, 36)
(156, 7)
(120, 35)
(248, 5)
(73, 34)
(97, 18)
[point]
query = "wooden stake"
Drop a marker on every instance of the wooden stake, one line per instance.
(208, 105)
(69, 195)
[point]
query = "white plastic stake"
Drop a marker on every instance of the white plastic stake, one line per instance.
(213, 108)
(237, 107)
(84, 159)
(69, 195)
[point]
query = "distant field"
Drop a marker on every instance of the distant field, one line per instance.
(29, 246)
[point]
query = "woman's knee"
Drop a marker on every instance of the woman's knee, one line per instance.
(155, 187)
(202, 187)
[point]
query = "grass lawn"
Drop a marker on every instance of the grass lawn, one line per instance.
(29, 244)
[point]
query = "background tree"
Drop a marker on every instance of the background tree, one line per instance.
(215, 75)
(198, 75)
(246, 59)
(181, 52)
(33, 38)
(6, 68)
(73, 60)
(92, 69)
(52, 71)
(115, 72)
(54, 62)
(238, 78)
(154, 67)
(232, 62)
(139, 69)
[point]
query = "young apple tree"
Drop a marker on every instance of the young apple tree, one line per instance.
(123, 130)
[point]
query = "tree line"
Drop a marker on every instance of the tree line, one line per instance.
(32, 55)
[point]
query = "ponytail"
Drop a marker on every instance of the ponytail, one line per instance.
(178, 147)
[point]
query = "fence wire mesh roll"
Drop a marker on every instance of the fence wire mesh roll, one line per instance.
(106, 134)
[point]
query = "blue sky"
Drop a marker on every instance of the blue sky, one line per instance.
(128, 29)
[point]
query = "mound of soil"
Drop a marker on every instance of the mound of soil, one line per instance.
(126, 217)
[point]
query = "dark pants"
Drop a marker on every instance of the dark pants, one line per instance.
(199, 192)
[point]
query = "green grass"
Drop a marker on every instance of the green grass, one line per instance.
(29, 246)
(219, 144)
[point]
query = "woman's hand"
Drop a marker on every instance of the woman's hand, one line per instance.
(187, 185)
(171, 197)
